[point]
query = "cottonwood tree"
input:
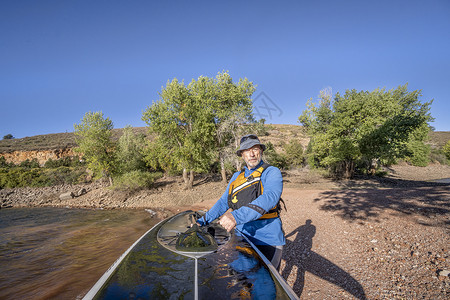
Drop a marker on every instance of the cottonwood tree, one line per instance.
(182, 121)
(233, 111)
(364, 128)
(157, 157)
(195, 123)
(129, 154)
(93, 136)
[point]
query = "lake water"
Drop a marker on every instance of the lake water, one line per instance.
(52, 253)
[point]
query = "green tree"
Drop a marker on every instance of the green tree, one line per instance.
(129, 151)
(364, 128)
(446, 149)
(294, 153)
(196, 124)
(182, 120)
(272, 157)
(417, 152)
(233, 117)
(9, 136)
(158, 158)
(93, 136)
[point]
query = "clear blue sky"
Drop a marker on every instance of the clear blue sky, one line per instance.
(60, 59)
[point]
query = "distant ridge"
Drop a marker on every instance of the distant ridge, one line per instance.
(51, 141)
(277, 134)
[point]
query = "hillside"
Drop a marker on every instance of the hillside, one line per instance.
(277, 134)
(50, 141)
(59, 145)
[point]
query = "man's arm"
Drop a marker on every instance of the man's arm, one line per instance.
(219, 208)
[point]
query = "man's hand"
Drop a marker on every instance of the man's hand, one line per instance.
(227, 221)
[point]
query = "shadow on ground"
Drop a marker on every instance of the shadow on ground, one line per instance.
(428, 200)
(307, 260)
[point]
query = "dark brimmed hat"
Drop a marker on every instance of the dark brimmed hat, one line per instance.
(248, 141)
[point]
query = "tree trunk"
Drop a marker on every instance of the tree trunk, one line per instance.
(188, 180)
(238, 160)
(349, 169)
(373, 167)
(223, 171)
(185, 177)
(191, 180)
(238, 164)
(107, 175)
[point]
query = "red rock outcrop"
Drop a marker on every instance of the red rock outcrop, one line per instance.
(42, 156)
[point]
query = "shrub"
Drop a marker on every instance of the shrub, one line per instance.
(230, 168)
(273, 158)
(438, 155)
(30, 164)
(294, 153)
(129, 155)
(65, 175)
(4, 164)
(3, 174)
(446, 149)
(136, 180)
(21, 177)
(39, 177)
(63, 162)
(420, 154)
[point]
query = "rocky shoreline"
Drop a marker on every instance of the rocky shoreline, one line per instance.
(169, 191)
(167, 195)
(43, 196)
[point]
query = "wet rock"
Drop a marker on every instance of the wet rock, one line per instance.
(151, 212)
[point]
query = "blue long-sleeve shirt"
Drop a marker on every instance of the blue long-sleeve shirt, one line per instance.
(260, 232)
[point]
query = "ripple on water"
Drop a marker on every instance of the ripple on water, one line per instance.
(55, 253)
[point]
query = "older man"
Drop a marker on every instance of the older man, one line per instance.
(253, 195)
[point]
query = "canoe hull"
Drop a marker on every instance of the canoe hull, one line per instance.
(151, 270)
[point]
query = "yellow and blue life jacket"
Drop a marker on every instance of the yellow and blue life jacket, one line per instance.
(243, 190)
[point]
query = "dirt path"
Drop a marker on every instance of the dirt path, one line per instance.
(375, 244)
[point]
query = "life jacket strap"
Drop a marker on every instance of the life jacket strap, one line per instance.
(275, 211)
(269, 216)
